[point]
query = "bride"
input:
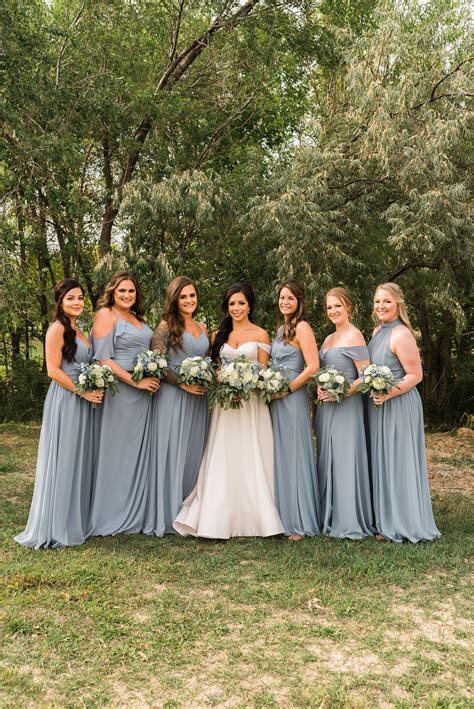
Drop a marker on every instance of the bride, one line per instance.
(234, 496)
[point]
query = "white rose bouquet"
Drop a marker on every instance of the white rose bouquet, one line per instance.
(333, 381)
(92, 376)
(197, 370)
(149, 364)
(236, 381)
(376, 378)
(272, 380)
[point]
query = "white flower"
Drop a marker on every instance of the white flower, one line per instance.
(139, 367)
(152, 367)
(339, 379)
(273, 386)
(325, 377)
(385, 370)
(162, 363)
(82, 378)
(248, 377)
(193, 371)
(378, 383)
(100, 383)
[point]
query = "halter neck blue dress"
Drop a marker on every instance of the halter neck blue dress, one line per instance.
(402, 500)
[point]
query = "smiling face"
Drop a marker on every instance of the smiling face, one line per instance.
(187, 300)
(238, 307)
(287, 302)
(336, 311)
(385, 306)
(73, 303)
(125, 294)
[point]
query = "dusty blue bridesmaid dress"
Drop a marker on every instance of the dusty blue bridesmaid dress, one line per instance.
(402, 500)
(343, 467)
(121, 474)
(178, 425)
(296, 483)
(59, 510)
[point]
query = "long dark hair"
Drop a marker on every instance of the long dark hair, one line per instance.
(225, 326)
(70, 346)
(289, 328)
(106, 300)
(171, 314)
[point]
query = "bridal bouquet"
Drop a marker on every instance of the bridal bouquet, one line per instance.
(150, 363)
(236, 380)
(272, 380)
(333, 381)
(92, 376)
(197, 370)
(376, 378)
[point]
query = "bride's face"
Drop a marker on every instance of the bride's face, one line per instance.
(238, 307)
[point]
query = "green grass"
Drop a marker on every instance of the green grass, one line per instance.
(137, 621)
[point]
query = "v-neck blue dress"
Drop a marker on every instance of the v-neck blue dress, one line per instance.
(296, 482)
(123, 455)
(61, 499)
(179, 423)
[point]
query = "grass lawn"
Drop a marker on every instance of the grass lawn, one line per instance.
(136, 621)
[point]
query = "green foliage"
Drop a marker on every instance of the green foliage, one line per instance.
(22, 392)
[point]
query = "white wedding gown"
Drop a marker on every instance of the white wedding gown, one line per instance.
(234, 493)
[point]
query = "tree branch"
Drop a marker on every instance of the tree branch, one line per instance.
(62, 50)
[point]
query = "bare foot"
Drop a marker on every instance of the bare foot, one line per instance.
(295, 537)
(379, 537)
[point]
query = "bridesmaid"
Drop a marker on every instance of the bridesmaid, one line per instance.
(179, 413)
(343, 468)
(296, 484)
(401, 491)
(61, 498)
(119, 334)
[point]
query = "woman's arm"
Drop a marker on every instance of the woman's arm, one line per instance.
(307, 342)
(54, 355)
(403, 345)
(104, 323)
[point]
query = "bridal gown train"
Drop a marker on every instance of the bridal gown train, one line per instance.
(234, 493)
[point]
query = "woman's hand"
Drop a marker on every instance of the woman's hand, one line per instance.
(196, 389)
(280, 395)
(323, 395)
(379, 399)
(149, 384)
(93, 397)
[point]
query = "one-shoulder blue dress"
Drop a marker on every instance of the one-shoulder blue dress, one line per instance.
(179, 423)
(402, 500)
(61, 499)
(296, 482)
(123, 457)
(343, 466)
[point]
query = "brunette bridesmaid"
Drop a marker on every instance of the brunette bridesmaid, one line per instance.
(296, 483)
(343, 468)
(401, 490)
(179, 412)
(121, 477)
(61, 498)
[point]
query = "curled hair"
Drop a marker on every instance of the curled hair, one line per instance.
(225, 325)
(289, 328)
(106, 300)
(395, 290)
(344, 296)
(171, 313)
(69, 348)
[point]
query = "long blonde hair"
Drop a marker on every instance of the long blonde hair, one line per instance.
(395, 290)
(344, 296)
